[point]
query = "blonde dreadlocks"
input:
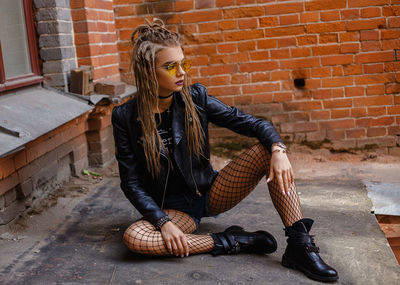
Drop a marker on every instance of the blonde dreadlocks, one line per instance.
(149, 39)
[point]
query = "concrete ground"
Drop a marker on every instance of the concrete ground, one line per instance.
(78, 240)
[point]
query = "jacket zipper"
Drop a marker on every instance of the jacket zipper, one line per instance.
(166, 180)
(191, 171)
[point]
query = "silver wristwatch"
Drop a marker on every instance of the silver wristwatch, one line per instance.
(280, 144)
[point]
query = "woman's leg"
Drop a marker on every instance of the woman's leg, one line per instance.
(142, 237)
(236, 180)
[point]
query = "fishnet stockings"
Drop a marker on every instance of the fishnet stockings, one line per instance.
(142, 237)
(237, 179)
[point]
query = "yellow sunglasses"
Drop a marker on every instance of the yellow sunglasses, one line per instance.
(172, 68)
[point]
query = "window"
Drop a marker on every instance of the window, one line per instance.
(19, 65)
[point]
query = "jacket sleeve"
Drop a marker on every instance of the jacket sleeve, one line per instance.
(131, 183)
(234, 119)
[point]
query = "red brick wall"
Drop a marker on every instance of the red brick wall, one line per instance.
(95, 37)
(249, 52)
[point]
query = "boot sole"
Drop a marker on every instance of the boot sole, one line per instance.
(287, 262)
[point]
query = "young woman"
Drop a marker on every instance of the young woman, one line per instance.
(162, 148)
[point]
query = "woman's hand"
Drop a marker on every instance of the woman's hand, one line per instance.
(281, 169)
(175, 239)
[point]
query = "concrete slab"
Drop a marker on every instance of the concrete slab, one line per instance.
(86, 247)
(385, 197)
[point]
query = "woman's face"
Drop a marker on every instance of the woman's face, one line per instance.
(168, 82)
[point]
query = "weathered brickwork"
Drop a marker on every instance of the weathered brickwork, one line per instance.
(95, 37)
(249, 52)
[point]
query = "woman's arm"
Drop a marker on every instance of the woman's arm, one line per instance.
(131, 183)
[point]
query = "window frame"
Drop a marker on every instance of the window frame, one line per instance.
(30, 78)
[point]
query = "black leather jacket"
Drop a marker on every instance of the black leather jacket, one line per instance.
(146, 193)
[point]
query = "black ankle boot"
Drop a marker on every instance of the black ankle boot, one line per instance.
(302, 253)
(234, 240)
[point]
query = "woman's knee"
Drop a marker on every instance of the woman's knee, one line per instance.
(137, 235)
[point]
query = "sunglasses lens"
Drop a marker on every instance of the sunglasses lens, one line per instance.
(186, 65)
(172, 68)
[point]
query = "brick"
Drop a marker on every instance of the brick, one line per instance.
(369, 35)
(366, 3)
(284, 31)
(9, 182)
(216, 70)
(315, 136)
(354, 91)
(325, 28)
(394, 22)
(202, 16)
(324, 5)
(299, 127)
(224, 91)
(7, 167)
(391, 10)
(393, 130)
(370, 46)
(374, 79)
(374, 57)
(375, 90)
(393, 88)
(259, 88)
(246, 46)
(349, 48)
(204, 4)
(227, 48)
(338, 103)
(324, 50)
(376, 111)
(373, 68)
(327, 16)
(320, 115)
(262, 98)
(355, 133)
(243, 12)
(372, 101)
(207, 27)
(10, 196)
(281, 53)
(183, 6)
(110, 87)
(281, 118)
(221, 80)
(337, 81)
(266, 44)
(349, 36)
(381, 142)
(268, 22)
(338, 124)
(227, 25)
(390, 45)
(352, 69)
(287, 8)
(358, 112)
(24, 189)
(260, 76)
(335, 135)
(280, 75)
(393, 110)
(328, 38)
(366, 25)
(287, 42)
(283, 97)
(240, 78)
(350, 14)
(370, 12)
(372, 122)
(259, 55)
(341, 113)
(242, 35)
(309, 17)
(259, 66)
(337, 59)
(300, 63)
(244, 100)
(289, 20)
(300, 52)
(248, 24)
(302, 106)
(306, 40)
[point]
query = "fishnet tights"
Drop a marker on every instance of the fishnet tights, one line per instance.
(142, 237)
(236, 180)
